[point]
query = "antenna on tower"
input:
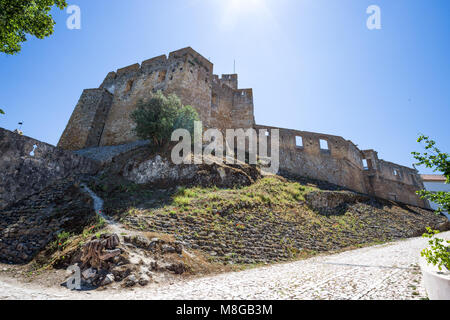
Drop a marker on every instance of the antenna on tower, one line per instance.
(234, 67)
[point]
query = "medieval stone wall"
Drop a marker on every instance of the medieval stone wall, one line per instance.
(338, 161)
(102, 118)
(301, 154)
(87, 122)
(231, 107)
(27, 166)
(185, 73)
(391, 181)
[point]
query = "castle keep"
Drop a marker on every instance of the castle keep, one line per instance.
(102, 118)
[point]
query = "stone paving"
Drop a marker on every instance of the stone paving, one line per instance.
(387, 271)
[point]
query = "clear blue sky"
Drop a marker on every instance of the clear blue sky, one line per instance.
(313, 64)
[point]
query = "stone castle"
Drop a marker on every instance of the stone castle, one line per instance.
(102, 118)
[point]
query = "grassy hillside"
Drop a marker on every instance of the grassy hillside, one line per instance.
(267, 221)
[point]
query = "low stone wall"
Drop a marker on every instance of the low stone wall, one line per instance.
(27, 166)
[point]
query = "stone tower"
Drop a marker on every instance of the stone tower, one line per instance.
(102, 116)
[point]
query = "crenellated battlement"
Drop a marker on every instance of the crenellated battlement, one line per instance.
(230, 79)
(193, 58)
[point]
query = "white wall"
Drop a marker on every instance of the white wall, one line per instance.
(437, 186)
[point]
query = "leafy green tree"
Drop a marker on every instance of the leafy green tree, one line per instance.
(21, 17)
(2, 112)
(439, 161)
(186, 116)
(159, 116)
(438, 253)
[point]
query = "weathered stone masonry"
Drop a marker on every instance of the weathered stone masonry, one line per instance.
(27, 166)
(102, 118)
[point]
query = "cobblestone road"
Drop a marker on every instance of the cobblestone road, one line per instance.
(382, 272)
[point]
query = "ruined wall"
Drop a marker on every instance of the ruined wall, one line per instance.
(391, 181)
(27, 166)
(339, 161)
(338, 164)
(86, 124)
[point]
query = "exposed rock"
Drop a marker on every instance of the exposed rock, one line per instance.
(141, 242)
(177, 268)
(130, 281)
(121, 272)
(109, 278)
(160, 170)
(445, 226)
(144, 280)
(167, 249)
(333, 202)
(89, 273)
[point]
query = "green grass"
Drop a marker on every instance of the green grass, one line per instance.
(267, 192)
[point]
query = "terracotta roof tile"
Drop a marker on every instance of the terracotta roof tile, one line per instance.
(433, 177)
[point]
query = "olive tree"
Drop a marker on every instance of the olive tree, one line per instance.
(158, 117)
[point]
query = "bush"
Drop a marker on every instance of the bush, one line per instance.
(439, 161)
(438, 254)
(158, 117)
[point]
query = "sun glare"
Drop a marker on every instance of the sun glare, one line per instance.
(233, 11)
(239, 6)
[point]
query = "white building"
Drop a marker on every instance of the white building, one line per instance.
(435, 182)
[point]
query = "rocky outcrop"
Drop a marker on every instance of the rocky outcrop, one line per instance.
(27, 166)
(160, 170)
(135, 260)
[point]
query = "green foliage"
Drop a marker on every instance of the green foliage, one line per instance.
(267, 192)
(2, 112)
(185, 119)
(439, 161)
(62, 240)
(158, 117)
(438, 254)
(21, 17)
(100, 223)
